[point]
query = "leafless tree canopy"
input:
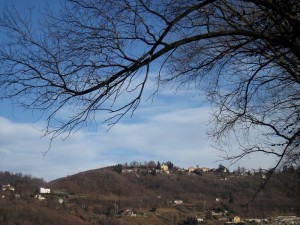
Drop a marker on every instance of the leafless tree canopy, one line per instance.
(244, 54)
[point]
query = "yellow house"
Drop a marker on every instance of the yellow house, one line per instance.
(164, 167)
(191, 169)
(236, 219)
(204, 169)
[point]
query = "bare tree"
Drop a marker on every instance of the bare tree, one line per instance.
(244, 53)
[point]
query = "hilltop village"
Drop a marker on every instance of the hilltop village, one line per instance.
(141, 193)
(168, 167)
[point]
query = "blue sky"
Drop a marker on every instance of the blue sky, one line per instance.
(171, 128)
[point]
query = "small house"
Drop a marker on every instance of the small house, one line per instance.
(199, 220)
(44, 190)
(191, 169)
(8, 187)
(40, 197)
(164, 167)
(178, 202)
(236, 219)
(204, 169)
(17, 196)
(217, 214)
(128, 212)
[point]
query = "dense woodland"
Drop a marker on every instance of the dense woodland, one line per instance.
(101, 196)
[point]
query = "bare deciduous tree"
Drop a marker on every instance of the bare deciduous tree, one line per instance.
(244, 53)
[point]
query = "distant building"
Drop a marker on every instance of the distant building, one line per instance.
(127, 171)
(164, 167)
(128, 212)
(236, 219)
(40, 197)
(191, 169)
(178, 202)
(199, 220)
(204, 169)
(253, 220)
(44, 190)
(17, 196)
(217, 214)
(7, 187)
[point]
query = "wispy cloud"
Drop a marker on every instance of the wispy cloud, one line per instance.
(172, 128)
(177, 135)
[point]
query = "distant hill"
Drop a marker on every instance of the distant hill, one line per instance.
(140, 190)
(143, 195)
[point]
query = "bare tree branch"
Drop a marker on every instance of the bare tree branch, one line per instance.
(245, 54)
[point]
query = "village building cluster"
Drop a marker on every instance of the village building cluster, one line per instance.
(167, 168)
(8, 191)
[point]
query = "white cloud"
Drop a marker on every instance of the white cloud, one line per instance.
(167, 130)
(172, 136)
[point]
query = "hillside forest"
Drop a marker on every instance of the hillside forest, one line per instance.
(141, 194)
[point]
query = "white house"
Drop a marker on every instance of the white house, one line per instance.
(44, 190)
(128, 212)
(204, 169)
(199, 220)
(8, 187)
(164, 167)
(40, 197)
(178, 202)
(191, 169)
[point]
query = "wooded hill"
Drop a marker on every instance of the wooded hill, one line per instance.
(104, 196)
